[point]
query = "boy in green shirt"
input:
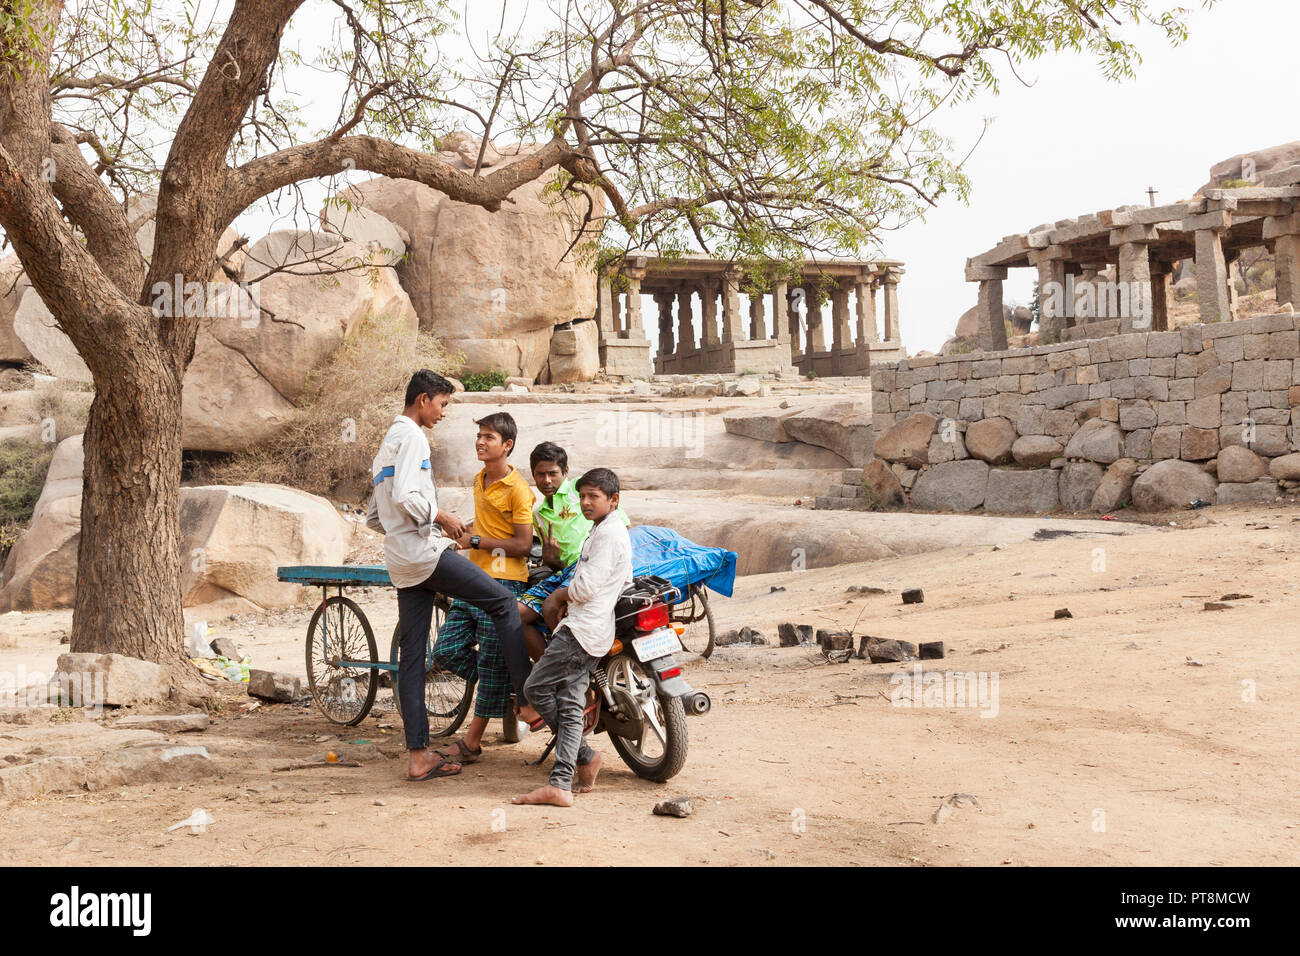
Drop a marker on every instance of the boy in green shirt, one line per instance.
(558, 518)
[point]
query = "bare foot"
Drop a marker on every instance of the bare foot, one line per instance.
(424, 760)
(586, 775)
(553, 796)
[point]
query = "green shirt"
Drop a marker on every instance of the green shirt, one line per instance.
(567, 524)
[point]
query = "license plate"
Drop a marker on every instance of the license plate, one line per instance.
(656, 645)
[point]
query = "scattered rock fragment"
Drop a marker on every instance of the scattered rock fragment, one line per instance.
(225, 647)
(1216, 606)
(931, 650)
(881, 650)
(834, 640)
(913, 596)
(273, 686)
(1061, 612)
(676, 807)
(954, 802)
(793, 635)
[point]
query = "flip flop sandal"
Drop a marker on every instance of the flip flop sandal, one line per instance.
(438, 770)
(463, 754)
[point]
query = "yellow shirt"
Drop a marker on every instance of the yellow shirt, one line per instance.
(497, 509)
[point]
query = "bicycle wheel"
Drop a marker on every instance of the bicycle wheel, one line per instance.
(698, 636)
(447, 696)
(338, 632)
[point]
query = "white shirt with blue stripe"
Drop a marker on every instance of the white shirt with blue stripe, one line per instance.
(405, 503)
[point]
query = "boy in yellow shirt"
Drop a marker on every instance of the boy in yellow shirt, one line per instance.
(498, 542)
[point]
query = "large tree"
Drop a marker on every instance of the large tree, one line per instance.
(743, 127)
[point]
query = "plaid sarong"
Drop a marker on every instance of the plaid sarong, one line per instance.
(534, 596)
(468, 647)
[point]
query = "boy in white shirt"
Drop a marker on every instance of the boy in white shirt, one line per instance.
(420, 553)
(557, 687)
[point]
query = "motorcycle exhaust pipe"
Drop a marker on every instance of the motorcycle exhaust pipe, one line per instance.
(697, 703)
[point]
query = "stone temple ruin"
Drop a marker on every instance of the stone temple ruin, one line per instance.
(1112, 407)
(790, 339)
(1145, 244)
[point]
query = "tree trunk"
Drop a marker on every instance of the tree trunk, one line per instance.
(128, 562)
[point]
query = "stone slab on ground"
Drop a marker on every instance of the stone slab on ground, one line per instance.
(112, 679)
(165, 723)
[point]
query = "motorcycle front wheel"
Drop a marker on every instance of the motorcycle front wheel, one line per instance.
(660, 751)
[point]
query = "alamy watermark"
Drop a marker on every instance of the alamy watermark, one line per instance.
(208, 300)
(1097, 299)
(639, 429)
(22, 688)
(945, 689)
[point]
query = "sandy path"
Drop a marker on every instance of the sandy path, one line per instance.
(1107, 746)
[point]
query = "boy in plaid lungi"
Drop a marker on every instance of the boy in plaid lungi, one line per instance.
(498, 542)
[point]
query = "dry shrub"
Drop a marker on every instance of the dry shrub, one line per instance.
(66, 404)
(23, 464)
(346, 408)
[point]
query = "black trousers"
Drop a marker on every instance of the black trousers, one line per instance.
(456, 577)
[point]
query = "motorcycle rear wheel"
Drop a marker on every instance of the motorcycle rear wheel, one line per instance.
(628, 677)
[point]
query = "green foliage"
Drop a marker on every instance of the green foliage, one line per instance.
(483, 381)
(1235, 184)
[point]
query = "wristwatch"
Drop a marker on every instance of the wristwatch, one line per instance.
(474, 541)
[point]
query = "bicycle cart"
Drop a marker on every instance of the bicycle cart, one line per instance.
(343, 664)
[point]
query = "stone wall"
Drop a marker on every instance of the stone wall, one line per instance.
(1203, 412)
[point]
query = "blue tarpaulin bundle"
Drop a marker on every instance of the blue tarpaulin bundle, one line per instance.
(664, 552)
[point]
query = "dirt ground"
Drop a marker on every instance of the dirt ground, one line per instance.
(1144, 729)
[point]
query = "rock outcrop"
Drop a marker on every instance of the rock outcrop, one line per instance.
(491, 284)
(252, 357)
(232, 540)
(41, 570)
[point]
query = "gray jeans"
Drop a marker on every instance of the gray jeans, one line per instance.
(557, 688)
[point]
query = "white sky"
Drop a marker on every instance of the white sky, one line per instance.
(1075, 143)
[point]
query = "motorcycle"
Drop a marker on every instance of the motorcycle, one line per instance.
(642, 699)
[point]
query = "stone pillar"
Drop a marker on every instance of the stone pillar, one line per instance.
(816, 341)
(685, 322)
(606, 316)
(709, 312)
(1286, 252)
(781, 312)
(841, 335)
(1161, 295)
(731, 330)
(781, 323)
(992, 335)
(1285, 231)
(865, 290)
(664, 304)
(757, 317)
(798, 299)
(1053, 305)
(1134, 276)
(1230, 260)
(635, 327)
(889, 279)
(1211, 269)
